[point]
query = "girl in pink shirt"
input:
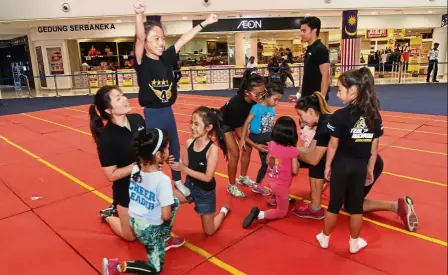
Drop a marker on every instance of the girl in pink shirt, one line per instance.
(283, 165)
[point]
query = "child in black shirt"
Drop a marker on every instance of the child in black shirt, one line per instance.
(154, 66)
(352, 152)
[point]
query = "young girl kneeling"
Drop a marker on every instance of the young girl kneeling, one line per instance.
(283, 164)
(152, 206)
(199, 162)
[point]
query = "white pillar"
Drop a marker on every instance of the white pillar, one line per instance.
(440, 36)
(240, 55)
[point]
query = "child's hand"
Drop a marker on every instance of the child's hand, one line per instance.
(262, 148)
(139, 7)
(212, 18)
(327, 173)
(175, 165)
(370, 178)
(242, 144)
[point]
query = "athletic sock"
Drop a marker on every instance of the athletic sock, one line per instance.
(224, 210)
(182, 188)
(396, 207)
(261, 215)
(315, 209)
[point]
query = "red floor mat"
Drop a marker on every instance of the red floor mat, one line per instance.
(34, 179)
(10, 204)
(383, 244)
(30, 247)
(405, 156)
(94, 240)
(10, 155)
(416, 170)
(427, 137)
(274, 253)
(422, 145)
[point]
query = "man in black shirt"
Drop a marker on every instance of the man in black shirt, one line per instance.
(316, 70)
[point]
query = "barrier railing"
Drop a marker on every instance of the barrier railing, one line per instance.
(197, 79)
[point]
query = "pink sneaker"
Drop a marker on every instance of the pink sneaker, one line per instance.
(305, 211)
(407, 213)
(260, 189)
(110, 266)
(174, 243)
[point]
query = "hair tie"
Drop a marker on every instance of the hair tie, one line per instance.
(159, 141)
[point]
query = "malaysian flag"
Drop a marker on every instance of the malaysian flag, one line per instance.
(350, 42)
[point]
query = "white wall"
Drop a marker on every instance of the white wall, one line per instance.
(32, 9)
(119, 30)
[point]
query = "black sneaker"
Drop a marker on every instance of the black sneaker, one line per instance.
(251, 217)
(105, 215)
(110, 211)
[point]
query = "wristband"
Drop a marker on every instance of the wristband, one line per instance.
(200, 24)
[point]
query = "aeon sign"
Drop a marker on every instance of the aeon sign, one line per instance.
(249, 24)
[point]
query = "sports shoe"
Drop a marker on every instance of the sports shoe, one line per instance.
(110, 266)
(305, 211)
(246, 181)
(260, 189)
(407, 213)
(174, 243)
(105, 215)
(253, 215)
(110, 211)
(234, 191)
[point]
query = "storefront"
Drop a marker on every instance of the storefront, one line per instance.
(102, 53)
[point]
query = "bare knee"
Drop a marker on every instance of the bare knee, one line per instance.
(209, 232)
(129, 237)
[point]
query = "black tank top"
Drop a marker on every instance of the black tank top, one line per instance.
(197, 161)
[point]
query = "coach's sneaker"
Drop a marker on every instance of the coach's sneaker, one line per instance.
(174, 243)
(407, 213)
(110, 266)
(305, 211)
(357, 245)
(246, 181)
(234, 191)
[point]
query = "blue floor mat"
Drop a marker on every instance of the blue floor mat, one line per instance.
(407, 98)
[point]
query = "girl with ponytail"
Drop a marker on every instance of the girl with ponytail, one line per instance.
(199, 163)
(113, 129)
(234, 114)
(152, 207)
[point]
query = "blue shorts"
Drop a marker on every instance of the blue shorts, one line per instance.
(205, 201)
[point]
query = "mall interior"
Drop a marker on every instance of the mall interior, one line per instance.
(106, 171)
(90, 51)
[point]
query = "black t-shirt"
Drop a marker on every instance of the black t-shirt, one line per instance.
(316, 54)
(115, 146)
(355, 138)
(155, 78)
(322, 137)
(235, 111)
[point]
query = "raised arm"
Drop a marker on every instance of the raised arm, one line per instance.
(184, 39)
(139, 9)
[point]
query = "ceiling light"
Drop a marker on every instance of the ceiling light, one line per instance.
(430, 11)
(307, 14)
(184, 18)
(118, 20)
(373, 13)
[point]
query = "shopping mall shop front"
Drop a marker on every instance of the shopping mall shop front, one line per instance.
(87, 56)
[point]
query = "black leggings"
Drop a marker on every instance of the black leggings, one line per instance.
(348, 178)
(261, 139)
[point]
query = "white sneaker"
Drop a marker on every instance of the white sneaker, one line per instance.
(355, 245)
(246, 181)
(234, 191)
(323, 240)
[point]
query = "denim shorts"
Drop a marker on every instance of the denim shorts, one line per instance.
(205, 201)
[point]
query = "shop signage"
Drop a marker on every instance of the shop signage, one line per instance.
(376, 33)
(252, 24)
(75, 28)
(13, 42)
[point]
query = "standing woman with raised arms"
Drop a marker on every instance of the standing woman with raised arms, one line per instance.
(158, 89)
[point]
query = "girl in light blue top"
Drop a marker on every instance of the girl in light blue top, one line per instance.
(260, 123)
